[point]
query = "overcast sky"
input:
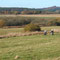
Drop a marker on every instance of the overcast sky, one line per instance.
(29, 3)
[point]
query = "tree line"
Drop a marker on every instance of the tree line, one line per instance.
(20, 12)
(29, 12)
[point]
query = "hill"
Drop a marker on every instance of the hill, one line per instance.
(53, 8)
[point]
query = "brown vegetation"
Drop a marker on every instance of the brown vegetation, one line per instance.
(24, 20)
(2, 23)
(20, 34)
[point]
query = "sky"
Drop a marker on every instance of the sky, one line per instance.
(29, 3)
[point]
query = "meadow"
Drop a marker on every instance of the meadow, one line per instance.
(4, 31)
(33, 15)
(34, 47)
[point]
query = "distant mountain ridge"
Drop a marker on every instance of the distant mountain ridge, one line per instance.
(53, 8)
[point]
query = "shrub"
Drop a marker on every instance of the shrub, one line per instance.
(32, 27)
(2, 23)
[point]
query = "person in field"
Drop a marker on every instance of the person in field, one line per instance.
(45, 32)
(52, 32)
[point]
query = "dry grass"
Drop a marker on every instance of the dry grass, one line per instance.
(20, 34)
(42, 15)
(37, 15)
(25, 34)
(57, 30)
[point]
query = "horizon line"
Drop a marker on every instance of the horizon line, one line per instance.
(25, 7)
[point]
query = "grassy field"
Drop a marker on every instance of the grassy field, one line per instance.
(37, 15)
(20, 30)
(35, 47)
(10, 30)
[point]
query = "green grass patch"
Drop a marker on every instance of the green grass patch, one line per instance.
(35, 47)
(10, 30)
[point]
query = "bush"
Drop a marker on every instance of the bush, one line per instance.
(32, 27)
(2, 23)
